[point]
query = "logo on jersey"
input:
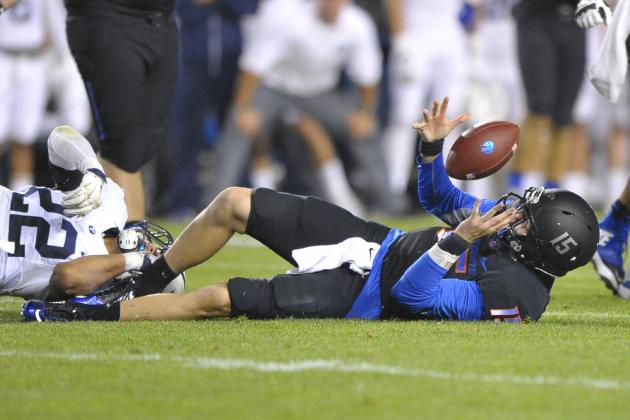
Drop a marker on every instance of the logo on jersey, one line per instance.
(506, 315)
(92, 230)
(487, 147)
(604, 237)
(562, 244)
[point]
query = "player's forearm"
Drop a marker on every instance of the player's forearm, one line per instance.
(369, 98)
(436, 192)
(395, 16)
(85, 274)
(418, 288)
(247, 86)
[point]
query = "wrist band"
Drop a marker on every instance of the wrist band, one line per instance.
(99, 173)
(133, 260)
(432, 148)
(448, 250)
(454, 244)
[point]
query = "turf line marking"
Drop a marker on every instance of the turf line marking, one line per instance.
(324, 365)
(588, 314)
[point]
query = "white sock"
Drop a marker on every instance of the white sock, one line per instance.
(617, 179)
(335, 187)
(18, 182)
(398, 145)
(577, 182)
(482, 188)
(263, 178)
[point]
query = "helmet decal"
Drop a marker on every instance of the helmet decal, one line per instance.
(565, 245)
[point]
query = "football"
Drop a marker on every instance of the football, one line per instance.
(482, 150)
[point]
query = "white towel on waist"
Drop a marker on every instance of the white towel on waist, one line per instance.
(608, 74)
(356, 252)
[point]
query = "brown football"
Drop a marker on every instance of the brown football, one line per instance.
(482, 150)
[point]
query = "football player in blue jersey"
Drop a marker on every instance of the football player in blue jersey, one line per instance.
(496, 259)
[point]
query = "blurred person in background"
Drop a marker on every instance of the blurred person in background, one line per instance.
(127, 54)
(68, 103)
(495, 91)
(599, 124)
(608, 75)
(428, 58)
(6, 4)
(309, 153)
(552, 54)
(27, 32)
(210, 46)
(294, 54)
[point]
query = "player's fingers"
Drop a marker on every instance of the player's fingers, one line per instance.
(443, 106)
(475, 209)
(74, 200)
(459, 119)
(436, 108)
(425, 114)
(493, 211)
(504, 219)
(418, 125)
(89, 189)
(72, 194)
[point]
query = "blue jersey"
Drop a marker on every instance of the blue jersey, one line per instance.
(484, 283)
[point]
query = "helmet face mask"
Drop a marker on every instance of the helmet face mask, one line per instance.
(158, 236)
(145, 236)
(557, 233)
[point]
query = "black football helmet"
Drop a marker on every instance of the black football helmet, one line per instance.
(557, 233)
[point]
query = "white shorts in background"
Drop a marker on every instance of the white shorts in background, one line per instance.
(23, 97)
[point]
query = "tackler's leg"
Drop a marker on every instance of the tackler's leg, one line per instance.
(211, 229)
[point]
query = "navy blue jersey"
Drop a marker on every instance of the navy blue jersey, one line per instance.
(486, 282)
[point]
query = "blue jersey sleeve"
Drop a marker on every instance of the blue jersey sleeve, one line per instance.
(441, 198)
(423, 289)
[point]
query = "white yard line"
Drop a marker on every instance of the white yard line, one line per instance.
(588, 314)
(335, 366)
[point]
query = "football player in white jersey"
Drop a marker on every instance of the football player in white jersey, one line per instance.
(54, 243)
(428, 59)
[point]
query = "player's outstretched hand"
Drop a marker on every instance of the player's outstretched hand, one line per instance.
(87, 196)
(479, 225)
(589, 13)
(436, 125)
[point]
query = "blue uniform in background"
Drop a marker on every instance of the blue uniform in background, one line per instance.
(210, 44)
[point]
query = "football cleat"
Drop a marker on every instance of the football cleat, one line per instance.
(608, 259)
(116, 291)
(624, 290)
(41, 311)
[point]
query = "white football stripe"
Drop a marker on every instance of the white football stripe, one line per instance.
(333, 365)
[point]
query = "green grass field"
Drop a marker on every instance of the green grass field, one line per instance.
(572, 364)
